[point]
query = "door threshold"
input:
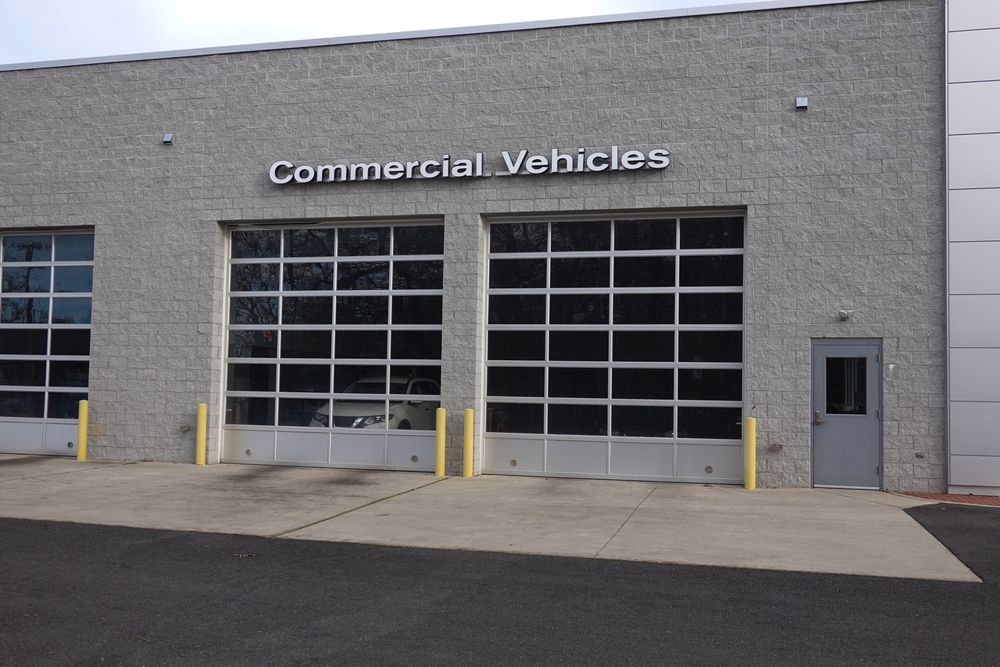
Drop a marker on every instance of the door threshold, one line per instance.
(853, 488)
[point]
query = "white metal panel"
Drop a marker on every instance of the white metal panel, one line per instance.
(975, 429)
(514, 455)
(974, 215)
(302, 447)
(974, 56)
(724, 461)
(248, 446)
(973, 107)
(59, 437)
(353, 448)
(410, 451)
(642, 458)
(974, 375)
(975, 267)
(22, 437)
(974, 320)
(974, 161)
(975, 470)
(973, 14)
(577, 456)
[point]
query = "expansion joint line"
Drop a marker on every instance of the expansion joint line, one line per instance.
(598, 554)
(359, 507)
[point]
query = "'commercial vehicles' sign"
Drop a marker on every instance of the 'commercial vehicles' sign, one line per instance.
(284, 172)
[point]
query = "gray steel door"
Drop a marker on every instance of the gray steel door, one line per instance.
(847, 413)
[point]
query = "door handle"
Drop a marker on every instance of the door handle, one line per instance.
(818, 420)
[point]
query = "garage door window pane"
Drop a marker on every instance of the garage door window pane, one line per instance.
(644, 272)
(362, 309)
(302, 411)
(310, 242)
(27, 248)
(363, 241)
(256, 244)
(416, 310)
(515, 417)
(354, 379)
(581, 272)
(74, 247)
(645, 383)
(417, 275)
(714, 346)
(35, 341)
(517, 309)
(644, 309)
(722, 423)
(643, 345)
(642, 421)
(69, 373)
(360, 345)
(519, 237)
(25, 280)
(578, 345)
(709, 384)
(399, 373)
(645, 234)
(250, 410)
(65, 406)
(517, 273)
(578, 419)
(712, 233)
(711, 309)
(73, 279)
(306, 310)
(306, 344)
(71, 311)
(254, 278)
(506, 381)
(242, 343)
(309, 379)
(24, 311)
(578, 382)
(362, 275)
(516, 345)
(713, 270)
(418, 240)
(68, 342)
(251, 377)
(308, 277)
(581, 236)
(416, 344)
(253, 310)
(22, 373)
(22, 403)
(578, 309)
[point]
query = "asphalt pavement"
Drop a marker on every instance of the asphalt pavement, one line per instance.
(87, 595)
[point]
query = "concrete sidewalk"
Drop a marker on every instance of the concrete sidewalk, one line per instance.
(810, 530)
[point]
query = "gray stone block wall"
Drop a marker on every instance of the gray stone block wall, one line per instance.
(844, 201)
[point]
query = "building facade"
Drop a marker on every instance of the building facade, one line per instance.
(614, 239)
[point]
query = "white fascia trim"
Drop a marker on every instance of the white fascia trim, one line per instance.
(760, 5)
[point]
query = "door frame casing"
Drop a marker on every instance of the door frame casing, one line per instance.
(841, 342)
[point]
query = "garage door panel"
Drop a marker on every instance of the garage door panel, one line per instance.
(22, 437)
(246, 446)
(415, 452)
(720, 463)
(303, 447)
(514, 455)
(642, 458)
(60, 439)
(357, 449)
(575, 456)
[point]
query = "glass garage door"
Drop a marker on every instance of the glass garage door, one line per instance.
(334, 346)
(45, 301)
(615, 349)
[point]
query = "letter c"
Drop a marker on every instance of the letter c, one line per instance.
(427, 173)
(280, 164)
(592, 161)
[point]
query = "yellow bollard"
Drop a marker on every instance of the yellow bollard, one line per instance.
(439, 443)
(81, 431)
(470, 432)
(750, 453)
(201, 435)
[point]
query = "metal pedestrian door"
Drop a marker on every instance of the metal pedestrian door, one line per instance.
(847, 413)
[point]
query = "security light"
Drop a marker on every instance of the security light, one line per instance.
(801, 103)
(168, 139)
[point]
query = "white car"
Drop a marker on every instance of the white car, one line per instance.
(413, 412)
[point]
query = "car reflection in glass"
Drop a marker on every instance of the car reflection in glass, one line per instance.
(414, 412)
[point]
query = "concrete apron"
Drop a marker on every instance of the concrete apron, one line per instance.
(809, 530)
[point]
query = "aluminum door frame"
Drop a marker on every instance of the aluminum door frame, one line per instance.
(815, 398)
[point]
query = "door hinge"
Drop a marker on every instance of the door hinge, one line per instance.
(878, 357)
(878, 470)
(878, 413)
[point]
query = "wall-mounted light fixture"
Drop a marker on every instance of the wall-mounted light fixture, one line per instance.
(168, 139)
(845, 315)
(801, 103)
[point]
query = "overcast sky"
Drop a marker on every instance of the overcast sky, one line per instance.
(40, 30)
